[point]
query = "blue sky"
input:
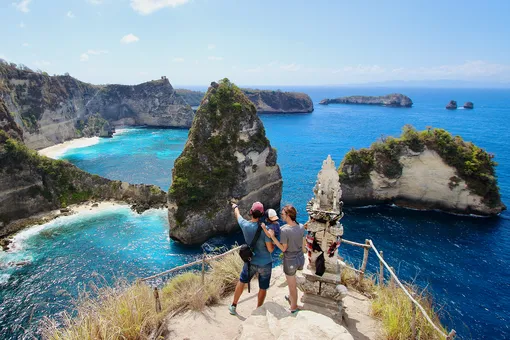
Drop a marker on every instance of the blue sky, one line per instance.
(277, 42)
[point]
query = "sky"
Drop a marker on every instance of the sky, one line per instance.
(263, 42)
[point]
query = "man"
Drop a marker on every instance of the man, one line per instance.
(261, 261)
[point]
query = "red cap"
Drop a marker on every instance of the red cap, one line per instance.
(257, 206)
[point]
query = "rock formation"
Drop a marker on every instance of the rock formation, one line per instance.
(468, 105)
(31, 184)
(227, 156)
(423, 170)
(52, 109)
(452, 105)
(265, 101)
(393, 100)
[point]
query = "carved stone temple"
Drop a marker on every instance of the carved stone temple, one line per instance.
(324, 231)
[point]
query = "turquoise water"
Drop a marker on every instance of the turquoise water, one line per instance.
(464, 261)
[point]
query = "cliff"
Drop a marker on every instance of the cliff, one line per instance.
(393, 100)
(227, 156)
(53, 109)
(424, 170)
(32, 184)
(265, 101)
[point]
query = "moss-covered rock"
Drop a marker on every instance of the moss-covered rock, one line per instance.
(227, 156)
(449, 173)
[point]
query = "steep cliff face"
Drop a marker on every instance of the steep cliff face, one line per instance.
(423, 170)
(227, 156)
(265, 101)
(393, 100)
(31, 184)
(52, 109)
(8, 124)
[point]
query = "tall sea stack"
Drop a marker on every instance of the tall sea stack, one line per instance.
(227, 157)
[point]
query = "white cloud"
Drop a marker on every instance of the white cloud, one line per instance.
(21, 25)
(211, 47)
(86, 56)
(128, 39)
(25, 45)
(271, 64)
(291, 67)
(178, 60)
(2, 56)
(215, 58)
(70, 15)
(41, 63)
(97, 52)
(95, 2)
(145, 7)
(22, 5)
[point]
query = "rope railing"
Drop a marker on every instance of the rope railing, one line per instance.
(367, 246)
(370, 245)
(191, 264)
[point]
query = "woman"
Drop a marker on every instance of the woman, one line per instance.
(291, 245)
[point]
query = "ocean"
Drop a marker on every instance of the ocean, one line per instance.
(463, 261)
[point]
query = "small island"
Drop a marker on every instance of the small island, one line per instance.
(452, 105)
(423, 170)
(391, 100)
(468, 105)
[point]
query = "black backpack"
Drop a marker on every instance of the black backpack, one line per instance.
(246, 251)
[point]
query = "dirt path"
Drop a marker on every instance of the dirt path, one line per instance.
(216, 322)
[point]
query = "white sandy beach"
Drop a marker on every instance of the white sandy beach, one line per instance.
(56, 151)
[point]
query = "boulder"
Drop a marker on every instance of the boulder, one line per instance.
(392, 100)
(452, 105)
(226, 157)
(468, 105)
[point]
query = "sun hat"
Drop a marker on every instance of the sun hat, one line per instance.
(257, 206)
(271, 215)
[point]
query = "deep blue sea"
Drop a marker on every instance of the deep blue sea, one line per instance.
(463, 261)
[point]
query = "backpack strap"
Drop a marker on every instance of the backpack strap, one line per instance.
(257, 235)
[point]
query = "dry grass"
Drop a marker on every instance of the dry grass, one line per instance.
(394, 308)
(350, 279)
(128, 311)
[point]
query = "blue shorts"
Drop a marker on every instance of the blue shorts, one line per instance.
(264, 274)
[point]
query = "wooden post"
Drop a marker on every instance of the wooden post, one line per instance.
(451, 335)
(381, 270)
(203, 268)
(365, 260)
(392, 280)
(157, 301)
(413, 321)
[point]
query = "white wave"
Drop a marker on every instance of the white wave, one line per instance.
(4, 278)
(57, 151)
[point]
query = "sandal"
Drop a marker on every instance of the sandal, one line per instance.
(287, 299)
(294, 311)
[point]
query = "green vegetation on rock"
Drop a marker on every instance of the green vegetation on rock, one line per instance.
(473, 164)
(208, 168)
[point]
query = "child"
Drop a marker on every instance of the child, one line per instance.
(272, 222)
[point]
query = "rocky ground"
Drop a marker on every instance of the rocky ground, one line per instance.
(273, 320)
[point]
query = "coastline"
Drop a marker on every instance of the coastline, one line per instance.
(58, 150)
(91, 207)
